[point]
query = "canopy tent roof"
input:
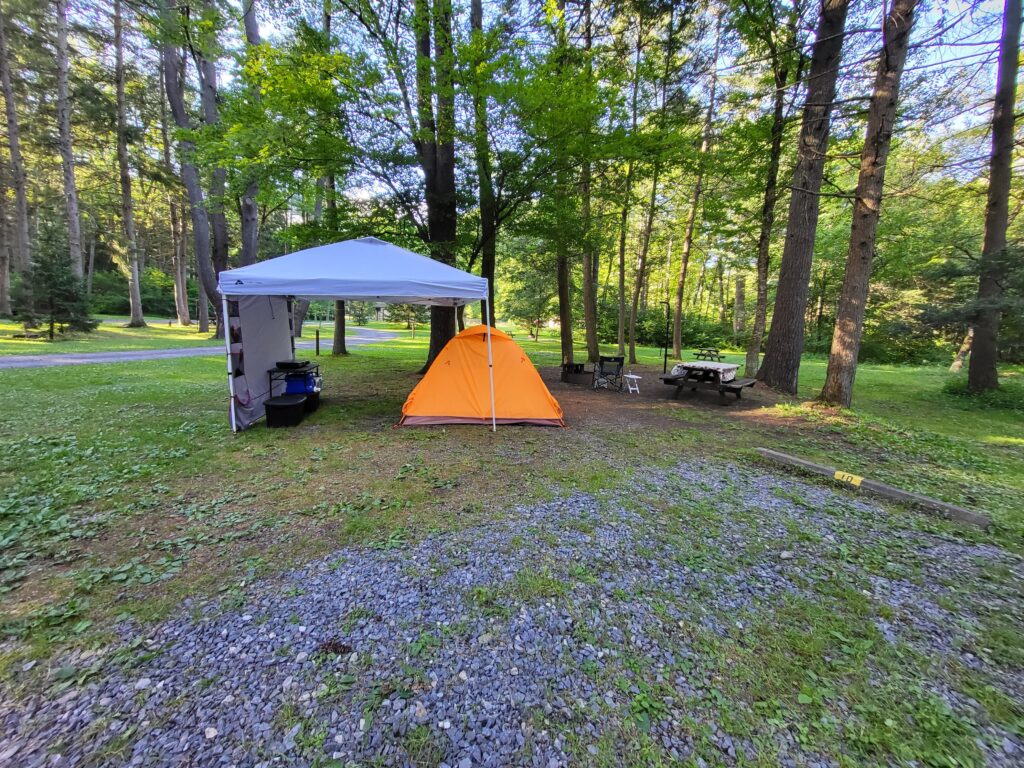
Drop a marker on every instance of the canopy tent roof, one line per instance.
(366, 269)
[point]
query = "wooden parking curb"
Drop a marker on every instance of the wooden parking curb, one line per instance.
(949, 511)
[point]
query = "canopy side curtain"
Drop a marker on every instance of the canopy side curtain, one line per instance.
(259, 335)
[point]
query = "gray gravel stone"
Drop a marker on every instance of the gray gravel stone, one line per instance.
(449, 644)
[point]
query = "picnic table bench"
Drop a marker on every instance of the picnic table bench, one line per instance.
(708, 353)
(707, 375)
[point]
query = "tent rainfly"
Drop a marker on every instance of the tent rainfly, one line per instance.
(257, 304)
(520, 396)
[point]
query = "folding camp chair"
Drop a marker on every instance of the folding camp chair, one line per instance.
(608, 373)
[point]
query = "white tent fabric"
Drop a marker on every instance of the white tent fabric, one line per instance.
(366, 269)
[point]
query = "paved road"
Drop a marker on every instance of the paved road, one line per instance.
(357, 339)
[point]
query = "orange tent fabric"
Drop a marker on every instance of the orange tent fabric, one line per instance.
(456, 388)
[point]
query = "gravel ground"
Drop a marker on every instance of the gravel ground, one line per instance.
(508, 643)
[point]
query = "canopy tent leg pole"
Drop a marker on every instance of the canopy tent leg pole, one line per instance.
(227, 348)
(490, 365)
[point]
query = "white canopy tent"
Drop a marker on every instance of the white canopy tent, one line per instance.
(256, 300)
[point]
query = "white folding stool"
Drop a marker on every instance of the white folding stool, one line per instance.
(632, 384)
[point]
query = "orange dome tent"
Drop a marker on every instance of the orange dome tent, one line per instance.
(456, 389)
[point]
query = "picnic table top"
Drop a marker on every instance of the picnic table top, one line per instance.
(710, 365)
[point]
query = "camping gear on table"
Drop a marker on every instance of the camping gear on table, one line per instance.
(303, 381)
(291, 365)
(455, 388)
(304, 384)
(285, 410)
(726, 371)
(299, 383)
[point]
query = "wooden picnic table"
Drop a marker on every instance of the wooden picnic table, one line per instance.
(708, 353)
(707, 374)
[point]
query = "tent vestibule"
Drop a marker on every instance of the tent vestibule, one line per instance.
(257, 304)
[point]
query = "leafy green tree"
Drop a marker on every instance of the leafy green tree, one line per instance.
(51, 292)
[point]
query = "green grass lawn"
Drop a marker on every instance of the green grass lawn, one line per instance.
(112, 335)
(124, 491)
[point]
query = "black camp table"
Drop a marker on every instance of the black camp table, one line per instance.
(280, 374)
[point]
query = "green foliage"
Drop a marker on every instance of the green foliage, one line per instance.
(50, 292)
(958, 307)
(410, 314)
(360, 311)
(1009, 396)
(110, 293)
(698, 331)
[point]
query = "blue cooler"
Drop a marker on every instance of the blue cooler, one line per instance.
(304, 384)
(299, 383)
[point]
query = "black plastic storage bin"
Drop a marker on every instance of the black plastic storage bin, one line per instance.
(312, 401)
(285, 410)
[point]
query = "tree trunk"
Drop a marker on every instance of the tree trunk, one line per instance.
(5, 281)
(482, 150)
(565, 307)
(22, 250)
(203, 309)
(91, 266)
(781, 70)
(5, 261)
(982, 374)
(5, 247)
(820, 312)
(207, 72)
(739, 308)
(174, 85)
(589, 256)
(339, 347)
(842, 361)
(331, 195)
(299, 311)
(178, 252)
(620, 338)
(765, 237)
(180, 265)
(64, 140)
(698, 297)
(698, 189)
(250, 219)
(131, 257)
(436, 76)
(248, 211)
(963, 352)
(641, 268)
(640, 289)
(781, 366)
(720, 274)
